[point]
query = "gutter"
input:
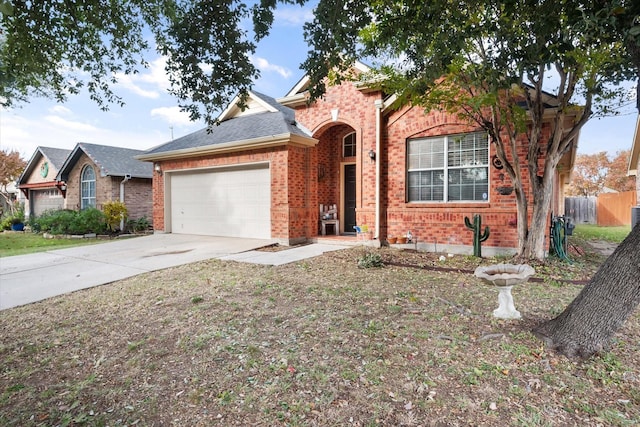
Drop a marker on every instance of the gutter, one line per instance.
(379, 105)
(127, 177)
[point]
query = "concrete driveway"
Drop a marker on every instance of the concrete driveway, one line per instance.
(34, 277)
(29, 278)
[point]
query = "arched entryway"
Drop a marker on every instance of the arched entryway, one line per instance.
(337, 172)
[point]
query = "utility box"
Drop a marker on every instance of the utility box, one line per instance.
(635, 215)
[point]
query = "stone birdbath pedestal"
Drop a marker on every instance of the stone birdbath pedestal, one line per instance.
(504, 277)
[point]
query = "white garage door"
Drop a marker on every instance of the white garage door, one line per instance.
(233, 202)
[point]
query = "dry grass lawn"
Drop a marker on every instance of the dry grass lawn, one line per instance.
(315, 343)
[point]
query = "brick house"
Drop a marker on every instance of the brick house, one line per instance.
(95, 174)
(265, 172)
(38, 181)
(87, 176)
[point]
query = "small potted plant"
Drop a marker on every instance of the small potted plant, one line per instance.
(17, 223)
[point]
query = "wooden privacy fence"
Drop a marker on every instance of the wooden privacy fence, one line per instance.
(615, 208)
(581, 209)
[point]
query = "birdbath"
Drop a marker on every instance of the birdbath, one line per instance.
(505, 276)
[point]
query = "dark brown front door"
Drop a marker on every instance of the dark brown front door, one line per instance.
(349, 215)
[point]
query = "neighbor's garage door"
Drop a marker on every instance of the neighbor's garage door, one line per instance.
(44, 200)
(234, 202)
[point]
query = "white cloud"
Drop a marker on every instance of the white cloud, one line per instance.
(292, 15)
(24, 134)
(156, 74)
(128, 82)
(61, 110)
(69, 124)
(265, 65)
(172, 115)
(149, 82)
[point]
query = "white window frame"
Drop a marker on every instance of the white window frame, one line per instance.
(445, 164)
(351, 145)
(87, 188)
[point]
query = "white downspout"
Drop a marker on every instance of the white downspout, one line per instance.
(127, 177)
(379, 104)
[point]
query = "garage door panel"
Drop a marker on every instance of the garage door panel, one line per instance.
(45, 200)
(227, 202)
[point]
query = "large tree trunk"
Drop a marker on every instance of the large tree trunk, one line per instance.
(587, 325)
(536, 247)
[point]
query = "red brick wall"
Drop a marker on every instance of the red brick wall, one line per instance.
(356, 112)
(429, 222)
(293, 187)
(443, 223)
(330, 158)
(302, 189)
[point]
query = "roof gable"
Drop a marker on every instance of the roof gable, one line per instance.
(255, 103)
(55, 156)
(264, 122)
(303, 84)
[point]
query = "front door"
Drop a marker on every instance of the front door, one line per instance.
(349, 198)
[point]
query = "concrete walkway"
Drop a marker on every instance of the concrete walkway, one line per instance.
(284, 256)
(29, 278)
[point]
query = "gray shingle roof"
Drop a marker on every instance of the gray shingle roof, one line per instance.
(241, 128)
(112, 161)
(55, 156)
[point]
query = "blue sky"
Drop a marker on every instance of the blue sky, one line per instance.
(151, 116)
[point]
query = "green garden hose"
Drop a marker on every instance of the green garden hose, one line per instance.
(557, 240)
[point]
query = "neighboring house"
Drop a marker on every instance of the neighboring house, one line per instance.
(265, 171)
(95, 174)
(38, 181)
(87, 176)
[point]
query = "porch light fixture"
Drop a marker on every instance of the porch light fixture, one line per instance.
(156, 167)
(63, 187)
(372, 154)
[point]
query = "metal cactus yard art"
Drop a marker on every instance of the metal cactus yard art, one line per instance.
(478, 236)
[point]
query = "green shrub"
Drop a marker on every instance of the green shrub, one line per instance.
(15, 215)
(66, 221)
(5, 222)
(369, 260)
(138, 225)
(114, 212)
(92, 221)
(53, 221)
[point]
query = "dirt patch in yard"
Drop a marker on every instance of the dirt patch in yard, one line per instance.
(320, 342)
(603, 247)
